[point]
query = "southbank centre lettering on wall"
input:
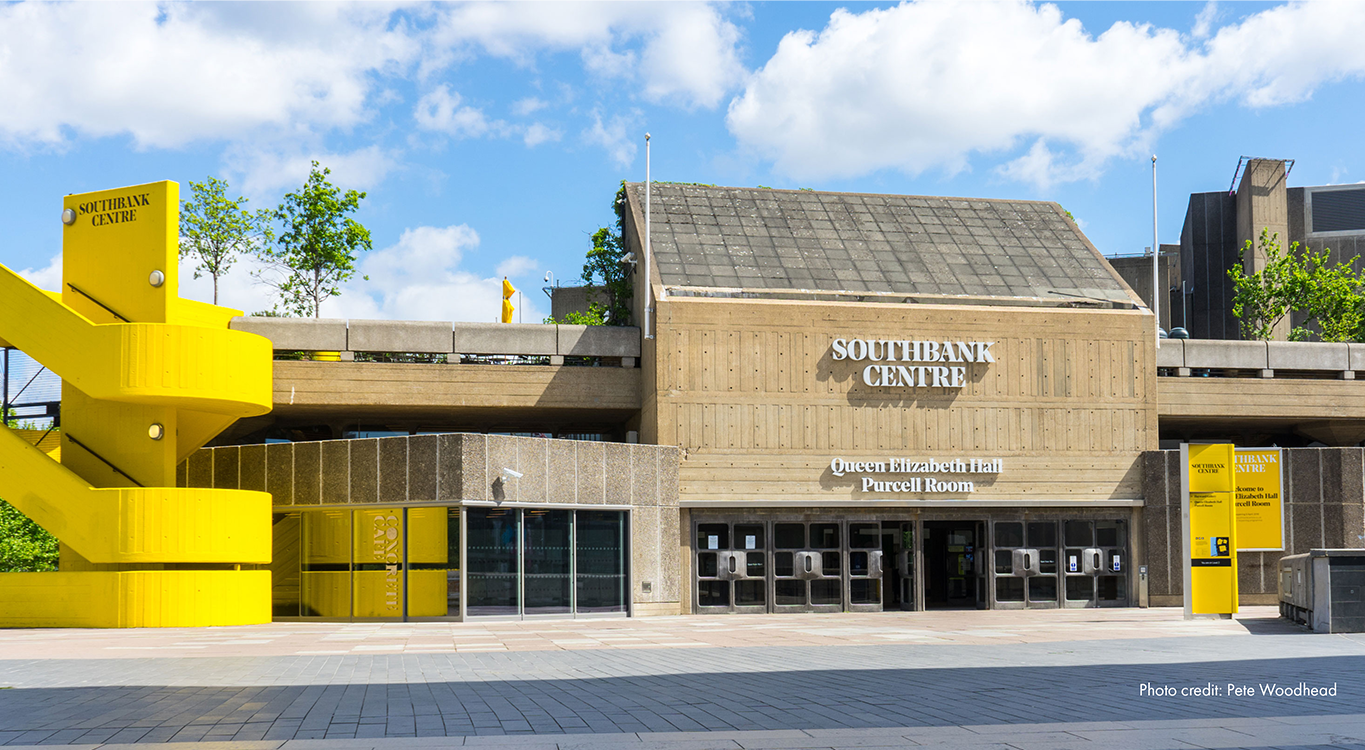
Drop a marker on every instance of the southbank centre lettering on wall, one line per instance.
(917, 484)
(116, 210)
(923, 356)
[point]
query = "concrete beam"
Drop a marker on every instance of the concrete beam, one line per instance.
(598, 341)
(505, 338)
(1230, 355)
(296, 334)
(415, 336)
(1170, 353)
(1304, 355)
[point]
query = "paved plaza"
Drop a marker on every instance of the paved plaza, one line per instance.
(1038, 679)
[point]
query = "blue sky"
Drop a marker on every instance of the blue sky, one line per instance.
(490, 137)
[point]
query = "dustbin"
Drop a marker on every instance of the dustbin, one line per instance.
(1324, 589)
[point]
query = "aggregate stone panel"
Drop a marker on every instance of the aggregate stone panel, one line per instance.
(533, 456)
(644, 552)
(644, 465)
(1331, 461)
(365, 470)
(226, 467)
(450, 467)
(671, 568)
(252, 467)
(307, 473)
(422, 471)
(502, 454)
(474, 474)
(279, 472)
(591, 478)
(1251, 578)
(563, 471)
(336, 471)
(1156, 531)
(1333, 526)
(182, 474)
(668, 476)
(201, 469)
(617, 468)
(393, 469)
(1307, 522)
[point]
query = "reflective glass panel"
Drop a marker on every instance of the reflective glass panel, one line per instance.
(865, 591)
(783, 564)
(1009, 534)
(547, 560)
(1111, 533)
(1042, 588)
(284, 564)
(433, 562)
(831, 562)
(857, 563)
(491, 553)
(1078, 534)
(789, 535)
(790, 593)
(706, 565)
(325, 564)
(377, 588)
(1111, 589)
(713, 593)
(713, 536)
(864, 535)
(1004, 561)
(600, 542)
(1042, 534)
(1080, 588)
(750, 593)
(1009, 589)
(824, 536)
(826, 591)
(749, 536)
(1047, 561)
(754, 564)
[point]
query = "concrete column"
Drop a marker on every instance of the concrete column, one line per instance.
(1263, 203)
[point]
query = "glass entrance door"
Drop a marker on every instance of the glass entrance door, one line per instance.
(1094, 563)
(1024, 564)
(732, 567)
(546, 549)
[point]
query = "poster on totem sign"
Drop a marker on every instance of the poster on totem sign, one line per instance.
(1260, 505)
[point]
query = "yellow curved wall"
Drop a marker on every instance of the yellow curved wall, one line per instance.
(136, 361)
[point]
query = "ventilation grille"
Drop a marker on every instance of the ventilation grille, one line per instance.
(1339, 210)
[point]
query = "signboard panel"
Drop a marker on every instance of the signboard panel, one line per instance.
(1210, 522)
(1260, 503)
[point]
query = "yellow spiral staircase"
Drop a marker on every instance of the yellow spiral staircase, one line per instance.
(147, 379)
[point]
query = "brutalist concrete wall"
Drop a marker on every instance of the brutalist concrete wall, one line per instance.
(1208, 250)
(1324, 496)
(463, 467)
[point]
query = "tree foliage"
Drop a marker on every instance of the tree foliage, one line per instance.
(25, 547)
(603, 267)
(317, 245)
(1330, 295)
(215, 229)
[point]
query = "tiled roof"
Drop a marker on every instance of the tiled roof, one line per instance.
(756, 238)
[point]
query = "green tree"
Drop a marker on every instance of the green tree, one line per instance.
(215, 229)
(603, 267)
(317, 245)
(1300, 280)
(25, 547)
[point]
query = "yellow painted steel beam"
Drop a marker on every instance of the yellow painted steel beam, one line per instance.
(135, 599)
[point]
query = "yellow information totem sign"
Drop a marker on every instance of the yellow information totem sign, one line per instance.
(1260, 504)
(147, 379)
(1210, 523)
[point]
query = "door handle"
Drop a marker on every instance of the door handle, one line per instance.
(1097, 561)
(808, 567)
(1028, 561)
(732, 563)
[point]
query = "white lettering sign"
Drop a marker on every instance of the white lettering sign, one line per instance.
(840, 467)
(922, 372)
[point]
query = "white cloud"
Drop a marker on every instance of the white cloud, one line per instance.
(267, 171)
(167, 73)
(614, 136)
(517, 265)
(49, 277)
(441, 110)
(420, 278)
(236, 289)
(926, 85)
(536, 134)
(688, 52)
(528, 105)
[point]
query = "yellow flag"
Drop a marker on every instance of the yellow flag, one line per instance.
(507, 291)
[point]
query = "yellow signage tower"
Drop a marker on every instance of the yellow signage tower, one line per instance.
(147, 379)
(1210, 523)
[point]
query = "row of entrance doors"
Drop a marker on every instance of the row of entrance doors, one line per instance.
(843, 565)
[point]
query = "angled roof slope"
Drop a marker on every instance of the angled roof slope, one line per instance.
(762, 239)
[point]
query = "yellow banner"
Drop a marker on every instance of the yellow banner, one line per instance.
(1260, 507)
(1210, 507)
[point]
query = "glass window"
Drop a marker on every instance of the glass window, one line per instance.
(857, 563)
(1078, 534)
(1112, 589)
(865, 591)
(754, 563)
(1047, 561)
(824, 536)
(713, 536)
(600, 544)
(790, 593)
(706, 565)
(713, 593)
(750, 593)
(1043, 588)
(1009, 589)
(831, 563)
(749, 536)
(826, 591)
(789, 535)
(864, 535)
(284, 565)
(325, 564)
(433, 536)
(1004, 561)
(547, 560)
(492, 561)
(1080, 588)
(1111, 533)
(783, 564)
(1009, 534)
(1042, 534)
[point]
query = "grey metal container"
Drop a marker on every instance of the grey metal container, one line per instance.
(1324, 589)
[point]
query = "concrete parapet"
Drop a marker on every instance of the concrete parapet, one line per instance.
(505, 338)
(1231, 355)
(1171, 353)
(598, 341)
(296, 334)
(1304, 355)
(1357, 356)
(415, 336)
